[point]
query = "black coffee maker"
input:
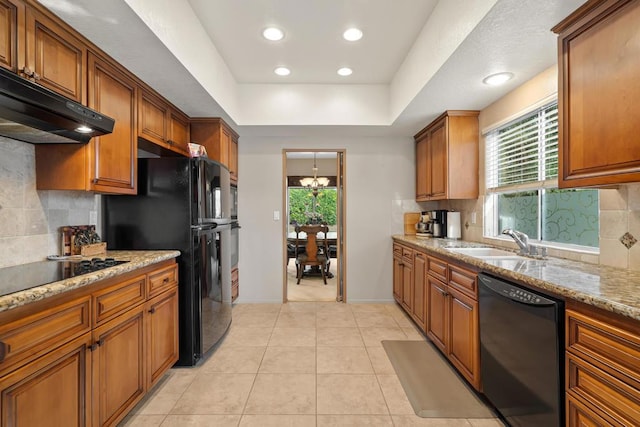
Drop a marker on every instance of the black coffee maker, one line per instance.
(438, 223)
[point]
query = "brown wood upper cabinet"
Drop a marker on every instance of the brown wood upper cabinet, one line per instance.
(55, 57)
(598, 112)
(107, 164)
(161, 124)
(13, 34)
(41, 48)
(220, 141)
(447, 157)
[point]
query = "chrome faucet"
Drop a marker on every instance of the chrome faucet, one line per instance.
(521, 239)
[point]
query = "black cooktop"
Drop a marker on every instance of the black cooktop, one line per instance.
(26, 276)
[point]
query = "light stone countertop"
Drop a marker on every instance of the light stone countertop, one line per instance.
(137, 259)
(613, 289)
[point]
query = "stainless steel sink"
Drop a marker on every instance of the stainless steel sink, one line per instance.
(486, 253)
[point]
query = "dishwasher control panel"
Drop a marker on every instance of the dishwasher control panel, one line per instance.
(514, 292)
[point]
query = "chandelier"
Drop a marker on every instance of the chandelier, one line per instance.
(314, 184)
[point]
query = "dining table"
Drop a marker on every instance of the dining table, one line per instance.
(332, 237)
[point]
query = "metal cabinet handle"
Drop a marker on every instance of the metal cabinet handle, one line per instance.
(26, 71)
(152, 310)
(35, 76)
(166, 280)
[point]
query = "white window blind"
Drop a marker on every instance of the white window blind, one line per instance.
(524, 151)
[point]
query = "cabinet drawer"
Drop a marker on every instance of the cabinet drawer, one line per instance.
(463, 280)
(407, 256)
(35, 335)
(619, 399)
(397, 250)
(438, 268)
(119, 298)
(161, 280)
(616, 349)
(579, 414)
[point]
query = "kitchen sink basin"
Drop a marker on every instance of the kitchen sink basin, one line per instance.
(486, 253)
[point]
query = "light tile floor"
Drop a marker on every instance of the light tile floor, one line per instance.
(296, 364)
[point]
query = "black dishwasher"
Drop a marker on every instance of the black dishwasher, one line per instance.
(521, 353)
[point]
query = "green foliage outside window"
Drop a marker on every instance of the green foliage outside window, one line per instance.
(301, 205)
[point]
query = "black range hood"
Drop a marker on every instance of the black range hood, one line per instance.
(34, 114)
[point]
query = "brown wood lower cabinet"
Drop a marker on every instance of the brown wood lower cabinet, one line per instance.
(96, 364)
(51, 390)
(118, 366)
(437, 313)
(162, 334)
(419, 296)
(602, 365)
(463, 346)
(441, 297)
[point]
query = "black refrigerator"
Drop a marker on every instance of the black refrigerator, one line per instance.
(182, 204)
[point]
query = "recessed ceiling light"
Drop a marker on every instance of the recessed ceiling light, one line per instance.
(273, 34)
(352, 34)
(282, 71)
(497, 79)
(346, 71)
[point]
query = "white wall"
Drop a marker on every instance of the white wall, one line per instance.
(380, 181)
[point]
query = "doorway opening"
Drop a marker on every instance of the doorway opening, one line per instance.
(313, 198)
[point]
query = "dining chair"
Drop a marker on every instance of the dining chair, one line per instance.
(316, 250)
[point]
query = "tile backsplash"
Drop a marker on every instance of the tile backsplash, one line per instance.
(30, 219)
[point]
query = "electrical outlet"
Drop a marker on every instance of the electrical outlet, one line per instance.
(473, 217)
(276, 215)
(93, 217)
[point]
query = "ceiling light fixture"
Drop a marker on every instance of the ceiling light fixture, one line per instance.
(497, 79)
(352, 34)
(345, 71)
(282, 71)
(314, 184)
(272, 33)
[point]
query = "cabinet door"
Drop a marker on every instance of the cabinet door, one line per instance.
(419, 308)
(407, 287)
(51, 390)
(152, 118)
(437, 313)
(55, 56)
(599, 116)
(113, 156)
(463, 349)
(118, 367)
(12, 35)
(225, 143)
(438, 156)
(162, 334)
(397, 278)
(233, 159)
(178, 135)
(422, 169)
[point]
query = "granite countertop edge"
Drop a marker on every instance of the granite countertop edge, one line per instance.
(612, 289)
(137, 259)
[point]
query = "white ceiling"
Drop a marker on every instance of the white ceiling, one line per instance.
(416, 59)
(313, 47)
